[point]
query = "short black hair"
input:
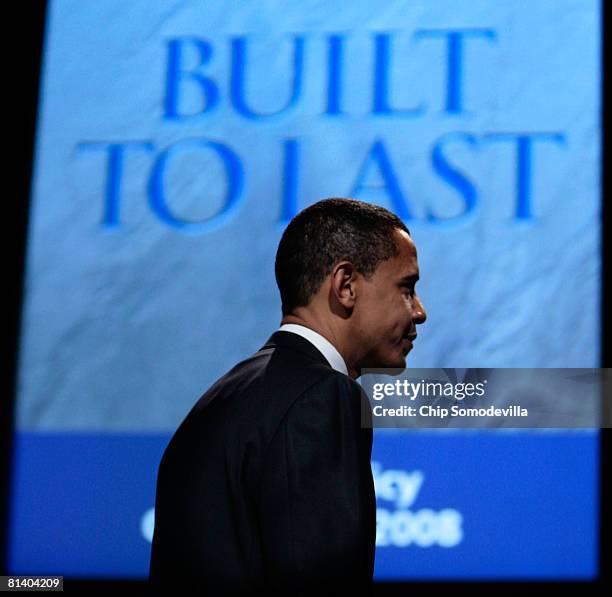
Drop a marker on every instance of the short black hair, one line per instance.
(325, 233)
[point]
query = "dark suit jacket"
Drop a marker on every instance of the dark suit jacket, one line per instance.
(266, 484)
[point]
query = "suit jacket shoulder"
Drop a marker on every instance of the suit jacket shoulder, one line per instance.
(268, 466)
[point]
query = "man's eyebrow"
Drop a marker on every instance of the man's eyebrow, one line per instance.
(410, 279)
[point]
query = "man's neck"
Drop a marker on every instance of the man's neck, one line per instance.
(328, 334)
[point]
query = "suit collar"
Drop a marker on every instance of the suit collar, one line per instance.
(290, 340)
(330, 352)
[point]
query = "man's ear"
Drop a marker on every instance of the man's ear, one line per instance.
(343, 284)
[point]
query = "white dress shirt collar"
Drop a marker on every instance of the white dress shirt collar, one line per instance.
(329, 351)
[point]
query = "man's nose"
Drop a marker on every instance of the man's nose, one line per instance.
(419, 315)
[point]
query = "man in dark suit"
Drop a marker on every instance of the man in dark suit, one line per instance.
(266, 485)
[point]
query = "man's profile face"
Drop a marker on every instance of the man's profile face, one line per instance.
(389, 309)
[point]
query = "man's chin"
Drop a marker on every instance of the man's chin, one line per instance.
(398, 361)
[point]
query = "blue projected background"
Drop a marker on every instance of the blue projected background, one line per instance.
(175, 142)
